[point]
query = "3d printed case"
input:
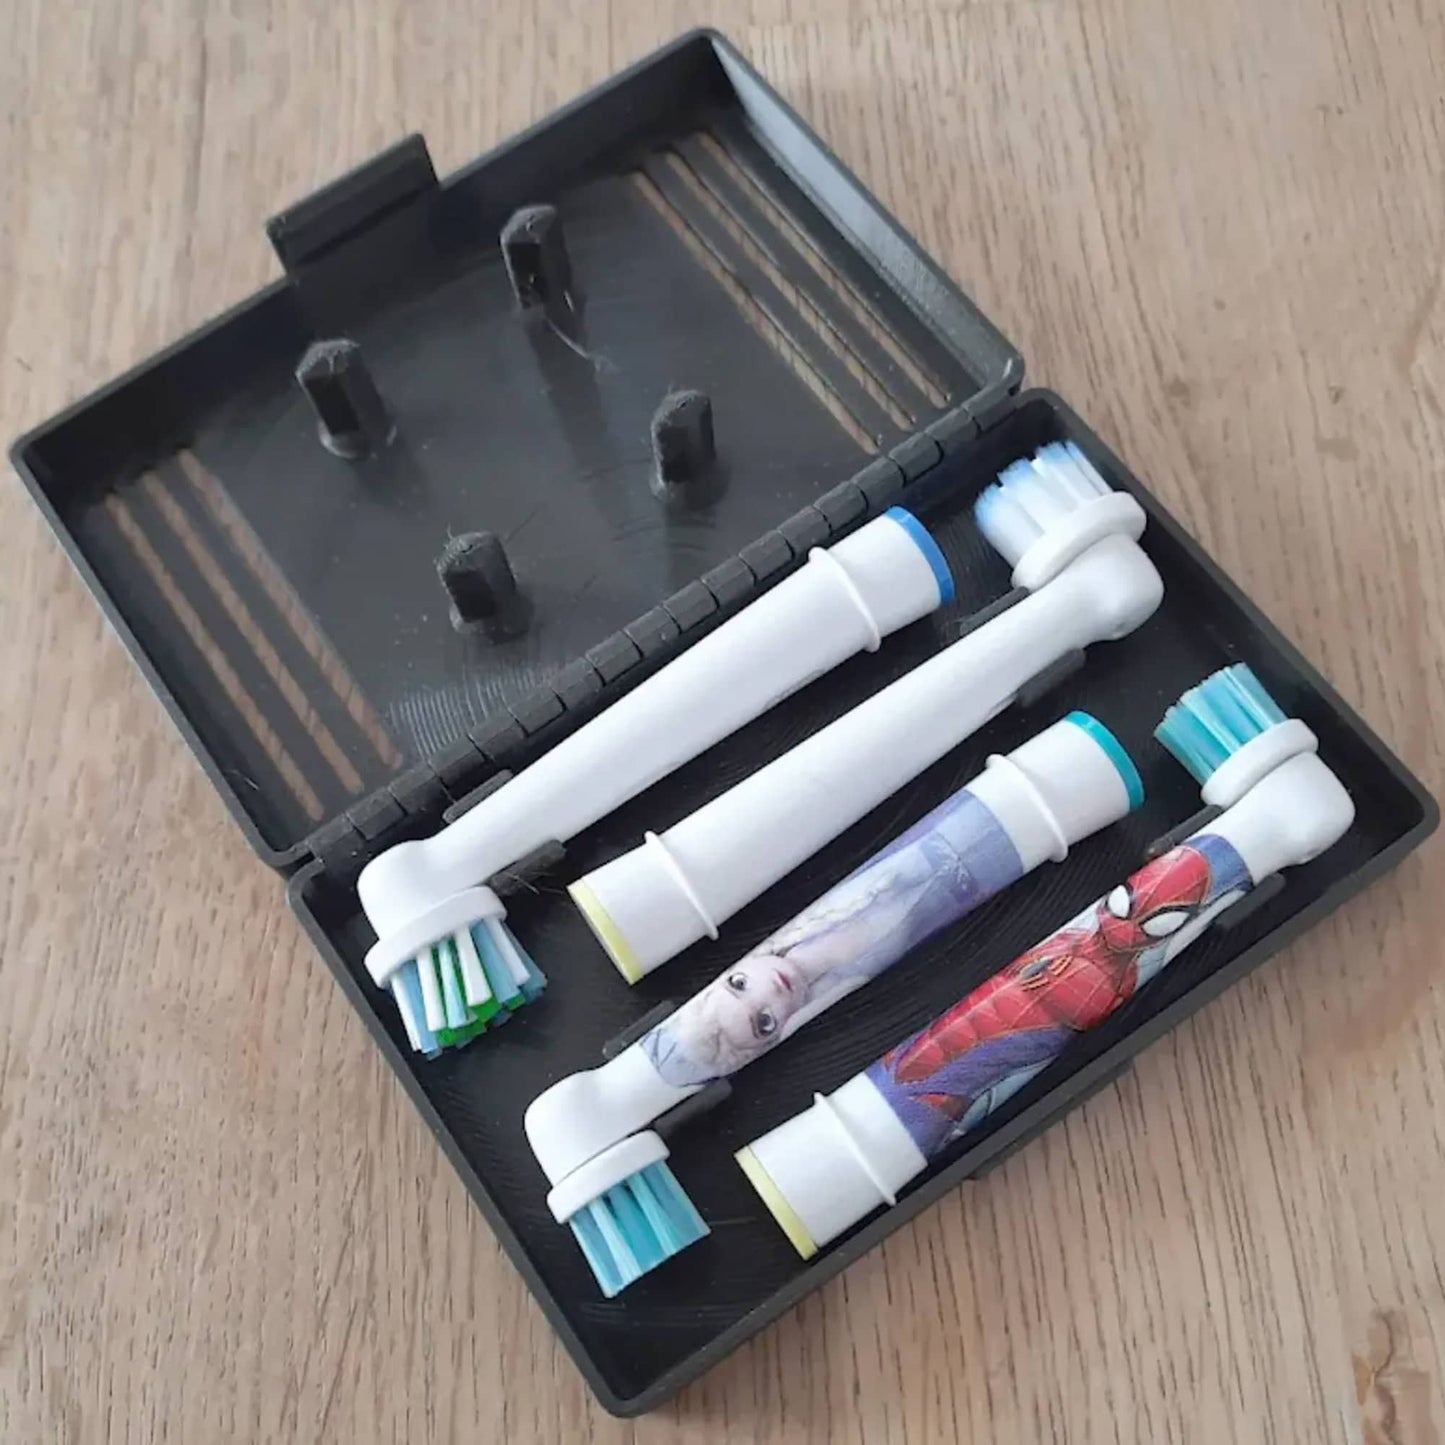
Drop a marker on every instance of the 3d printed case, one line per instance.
(268, 549)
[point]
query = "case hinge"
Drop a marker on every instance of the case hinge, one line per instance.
(995, 402)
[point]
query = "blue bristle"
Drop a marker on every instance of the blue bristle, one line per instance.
(1255, 690)
(1211, 722)
(536, 981)
(499, 976)
(406, 989)
(598, 1251)
(641, 1239)
(510, 956)
(1229, 717)
(636, 1226)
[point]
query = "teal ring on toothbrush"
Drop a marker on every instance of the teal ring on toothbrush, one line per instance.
(1128, 773)
(932, 552)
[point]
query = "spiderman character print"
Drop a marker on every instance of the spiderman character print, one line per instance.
(958, 1069)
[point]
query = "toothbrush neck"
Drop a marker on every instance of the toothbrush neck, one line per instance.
(584, 1114)
(1287, 818)
(1108, 591)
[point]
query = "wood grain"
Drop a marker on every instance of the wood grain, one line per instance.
(1219, 228)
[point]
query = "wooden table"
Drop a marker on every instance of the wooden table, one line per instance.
(1218, 227)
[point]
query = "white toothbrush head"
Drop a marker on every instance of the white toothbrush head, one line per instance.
(1045, 510)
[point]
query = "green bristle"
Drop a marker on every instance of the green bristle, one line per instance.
(1211, 722)
(450, 1038)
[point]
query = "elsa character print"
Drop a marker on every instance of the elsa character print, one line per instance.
(929, 877)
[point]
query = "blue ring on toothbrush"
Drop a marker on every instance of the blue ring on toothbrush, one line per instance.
(1114, 751)
(932, 552)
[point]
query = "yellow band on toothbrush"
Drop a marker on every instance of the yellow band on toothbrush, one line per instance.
(606, 931)
(772, 1196)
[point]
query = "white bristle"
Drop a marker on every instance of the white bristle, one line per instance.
(1031, 497)
(1069, 469)
(474, 978)
(1044, 500)
(1009, 528)
(433, 1008)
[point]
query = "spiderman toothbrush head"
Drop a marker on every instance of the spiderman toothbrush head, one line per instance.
(829, 1167)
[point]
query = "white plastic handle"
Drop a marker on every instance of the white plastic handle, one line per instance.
(885, 575)
(740, 844)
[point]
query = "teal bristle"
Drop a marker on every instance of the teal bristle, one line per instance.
(636, 1226)
(1212, 721)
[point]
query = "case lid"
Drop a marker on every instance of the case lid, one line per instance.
(284, 599)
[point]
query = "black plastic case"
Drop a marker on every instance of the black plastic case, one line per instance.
(283, 604)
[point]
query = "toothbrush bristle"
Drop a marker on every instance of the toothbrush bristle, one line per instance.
(406, 990)
(1212, 721)
(1071, 471)
(1033, 495)
(636, 1226)
(463, 985)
